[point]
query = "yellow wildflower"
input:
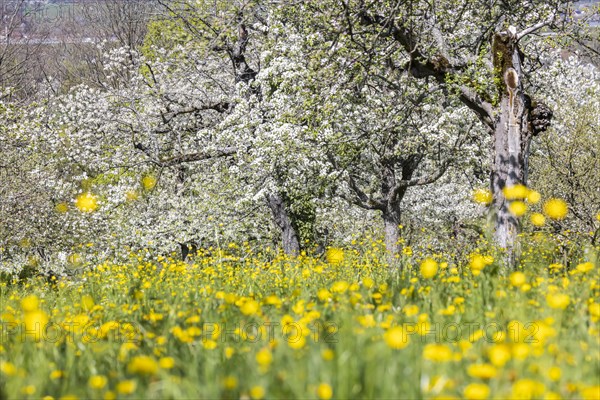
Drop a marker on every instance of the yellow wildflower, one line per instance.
(86, 202)
(556, 209)
(428, 268)
(324, 391)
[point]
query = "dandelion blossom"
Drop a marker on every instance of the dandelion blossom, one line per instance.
(148, 182)
(257, 392)
(517, 279)
(517, 208)
(558, 301)
(515, 192)
(477, 391)
(482, 196)
(428, 268)
(537, 219)
(324, 391)
(556, 209)
(142, 365)
(396, 338)
(86, 202)
(334, 256)
(97, 381)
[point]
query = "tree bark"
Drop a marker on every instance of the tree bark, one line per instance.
(511, 136)
(391, 224)
(289, 235)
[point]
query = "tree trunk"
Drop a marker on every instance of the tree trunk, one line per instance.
(391, 224)
(511, 137)
(391, 210)
(506, 171)
(289, 235)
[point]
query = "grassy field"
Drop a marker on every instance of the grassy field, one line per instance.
(233, 325)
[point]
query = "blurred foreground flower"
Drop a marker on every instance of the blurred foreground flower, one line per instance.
(86, 202)
(482, 196)
(334, 256)
(515, 192)
(517, 208)
(148, 182)
(556, 209)
(428, 268)
(537, 219)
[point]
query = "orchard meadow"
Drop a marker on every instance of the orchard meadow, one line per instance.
(231, 323)
(308, 199)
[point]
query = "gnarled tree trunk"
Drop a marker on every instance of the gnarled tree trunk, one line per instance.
(289, 235)
(391, 224)
(516, 124)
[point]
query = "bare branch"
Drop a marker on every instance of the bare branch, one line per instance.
(537, 26)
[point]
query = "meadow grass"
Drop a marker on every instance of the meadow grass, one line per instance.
(343, 326)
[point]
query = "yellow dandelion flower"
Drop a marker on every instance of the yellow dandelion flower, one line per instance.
(482, 196)
(482, 371)
(476, 391)
(533, 197)
(35, 322)
(515, 192)
(143, 365)
(334, 256)
(396, 338)
(327, 354)
(556, 209)
(499, 354)
(86, 202)
(554, 373)
(537, 219)
(324, 391)
(30, 303)
(230, 382)
(324, 294)
(410, 310)
(517, 279)
(340, 286)
(97, 381)
(132, 195)
(428, 268)
(297, 343)
(8, 368)
(148, 182)
(229, 352)
(558, 300)
(166, 362)
(28, 390)
(57, 374)
(126, 387)
(517, 208)
(250, 307)
(477, 263)
(437, 352)
(87, 302)
(264, 357)
(585, 267)
(257, 392)
(527, 389)
(591, 393)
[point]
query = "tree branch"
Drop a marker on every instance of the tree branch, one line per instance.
(537, 26)
(482, 108)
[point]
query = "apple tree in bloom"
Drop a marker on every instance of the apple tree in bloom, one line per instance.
(564, 162)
